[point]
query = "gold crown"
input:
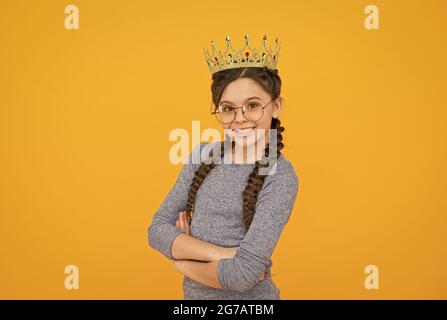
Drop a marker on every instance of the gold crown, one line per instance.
(246, 57)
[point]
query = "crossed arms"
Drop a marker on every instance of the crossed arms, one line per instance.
(237, 269)
(198, 259)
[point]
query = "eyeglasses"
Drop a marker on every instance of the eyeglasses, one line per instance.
(252, 111)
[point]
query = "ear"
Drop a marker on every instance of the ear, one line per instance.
(277, 107)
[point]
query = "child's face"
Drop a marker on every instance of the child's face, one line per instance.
(240, 92)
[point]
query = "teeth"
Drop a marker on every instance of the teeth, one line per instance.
(244, 132)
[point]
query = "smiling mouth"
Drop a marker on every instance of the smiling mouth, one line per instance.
(244, 132)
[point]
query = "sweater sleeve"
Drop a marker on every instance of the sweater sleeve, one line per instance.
(273, 208)
(162, 230)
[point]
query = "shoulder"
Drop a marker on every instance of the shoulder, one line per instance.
(282, 173)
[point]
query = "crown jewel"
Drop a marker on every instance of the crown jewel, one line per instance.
(245, 57)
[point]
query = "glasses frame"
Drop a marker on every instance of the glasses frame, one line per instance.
(215, 112)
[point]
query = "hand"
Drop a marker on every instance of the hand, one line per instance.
(182, 223)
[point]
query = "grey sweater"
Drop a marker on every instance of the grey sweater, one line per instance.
(217, 218)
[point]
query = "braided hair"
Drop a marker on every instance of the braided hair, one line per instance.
(271, 83)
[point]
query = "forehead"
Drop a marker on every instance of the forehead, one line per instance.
(239, 90)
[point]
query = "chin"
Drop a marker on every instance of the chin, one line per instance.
(246, 142)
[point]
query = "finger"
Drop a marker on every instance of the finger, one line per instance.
(182, 223)
(186, 223)
(261, 276)
(188, 218)
(177, 224)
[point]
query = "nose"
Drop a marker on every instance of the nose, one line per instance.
(239, 116)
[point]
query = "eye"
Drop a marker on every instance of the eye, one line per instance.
(253, 105)
(224, 108)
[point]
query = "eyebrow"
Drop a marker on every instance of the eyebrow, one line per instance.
(254, 97)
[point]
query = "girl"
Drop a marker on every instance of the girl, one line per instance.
(220, 222)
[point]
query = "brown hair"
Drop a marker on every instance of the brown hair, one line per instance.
(270, 81)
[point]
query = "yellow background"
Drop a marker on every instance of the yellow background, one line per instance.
(84, 124)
